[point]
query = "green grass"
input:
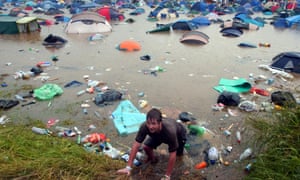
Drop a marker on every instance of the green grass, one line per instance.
(26, 155)
(277, 141)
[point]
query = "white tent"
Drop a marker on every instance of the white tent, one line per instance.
(88, 22)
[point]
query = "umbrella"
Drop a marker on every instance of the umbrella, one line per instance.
(129, 45)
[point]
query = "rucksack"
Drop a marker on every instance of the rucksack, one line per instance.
(283, 98)
(229, 98)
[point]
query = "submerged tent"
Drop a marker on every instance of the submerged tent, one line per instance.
(88, 22)
(287, 61)
(110, 13)
(183, 25)
(16, 25)
(129, 45)
(194, 37)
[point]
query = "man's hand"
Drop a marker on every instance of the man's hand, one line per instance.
(124, 170)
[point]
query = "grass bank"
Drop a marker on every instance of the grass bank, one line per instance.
(277, 143)
(26, 155)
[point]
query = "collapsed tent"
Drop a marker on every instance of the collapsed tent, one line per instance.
(110, 13)
(287, 61)
(88, 22)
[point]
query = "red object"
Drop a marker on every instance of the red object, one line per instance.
(201, 165)
(262, 92)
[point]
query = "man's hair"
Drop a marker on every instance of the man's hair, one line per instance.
(154, 114)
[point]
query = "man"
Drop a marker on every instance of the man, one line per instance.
(159, 131)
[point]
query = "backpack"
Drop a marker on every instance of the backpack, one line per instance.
(283, 98)
(229, 98)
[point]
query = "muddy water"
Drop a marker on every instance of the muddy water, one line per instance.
(186, 85)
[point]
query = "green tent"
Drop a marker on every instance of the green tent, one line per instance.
(8, 25)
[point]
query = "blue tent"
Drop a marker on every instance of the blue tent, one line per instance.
(199, 6)
(201, 21)
(293, 20)
(183, 25)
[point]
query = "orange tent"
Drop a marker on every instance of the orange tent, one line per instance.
(129, 45)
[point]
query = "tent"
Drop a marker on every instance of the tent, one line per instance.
(194, 37)
(287, 61)
(129, 45)
(161, 13)
(110, 13)
(231, 32)
(88, 22)
(16, 25)
(183, 25)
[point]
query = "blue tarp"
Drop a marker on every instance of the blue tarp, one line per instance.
(127, 118)
(293, 20)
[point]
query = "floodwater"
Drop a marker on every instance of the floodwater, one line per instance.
(186, 85)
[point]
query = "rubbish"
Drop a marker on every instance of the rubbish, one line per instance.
(248, 106)
(78, 135)
(40, 131)
(79, 93)
(196, 129)
(186, 117)
(201, 165)
(218, 107)
(264, 45)
(110, 151)
(51, 122)
(227, 133)
(125, 157)
(73, 83)
(84, 110)
(3, 119)
(248, 167)
(213, 155)
(91, 126)
(143, 103)
(141, 94)
(32, 102)
(43, 64)
(247, 153)
(20, 98)
(238, 136)
(97, 114)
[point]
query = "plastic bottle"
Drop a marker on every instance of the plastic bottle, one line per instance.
(238, 136)
(264, 44)
(247, 153)
(79, 93)
(196, 129)
(213, 155)
(39, 130)
(111, 151)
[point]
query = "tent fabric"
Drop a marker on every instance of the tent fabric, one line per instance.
(287, 61)
(129, 45)
(88, 22)
(127, 118)
(110, 13)
(240, 85)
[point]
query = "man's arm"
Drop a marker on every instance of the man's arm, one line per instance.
(135, 147)
(171, 163)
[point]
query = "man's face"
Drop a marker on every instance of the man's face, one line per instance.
(153, 125)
